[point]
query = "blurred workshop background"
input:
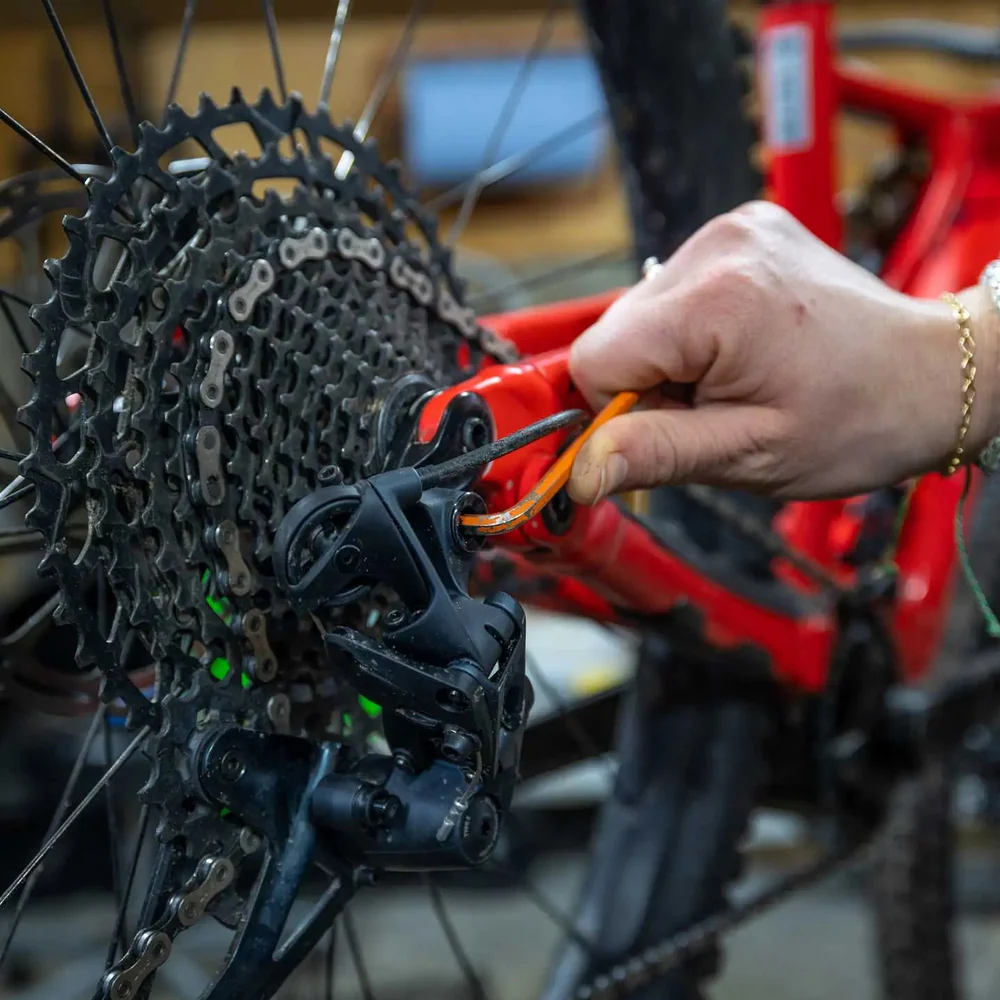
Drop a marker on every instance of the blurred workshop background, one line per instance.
(555, 229)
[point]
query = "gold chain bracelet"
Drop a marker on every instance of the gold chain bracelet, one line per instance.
(968, 348)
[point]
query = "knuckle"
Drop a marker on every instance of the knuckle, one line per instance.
(665, 459)
(736, 278)
(732, 228)
(763, 213)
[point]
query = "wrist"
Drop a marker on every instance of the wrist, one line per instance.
(927, 412)
(985, 325)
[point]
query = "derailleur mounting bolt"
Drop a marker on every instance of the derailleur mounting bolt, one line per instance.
(383, 809)
(347, 558)
(457, 745)
(233, 766)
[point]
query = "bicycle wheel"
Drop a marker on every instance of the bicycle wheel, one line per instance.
(198, 274)
(913, 882)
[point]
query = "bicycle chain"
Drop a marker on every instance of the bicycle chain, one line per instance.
(214, 874)
(626, 978)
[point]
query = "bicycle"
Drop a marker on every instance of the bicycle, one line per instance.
(231, 549)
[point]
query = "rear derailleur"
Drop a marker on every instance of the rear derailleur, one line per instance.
(447, 670)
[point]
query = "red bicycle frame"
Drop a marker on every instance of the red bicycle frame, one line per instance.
(608, 564)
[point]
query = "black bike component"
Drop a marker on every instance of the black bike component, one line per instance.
(444, 659)
(397, 428)
(394, 818)
(268, 780)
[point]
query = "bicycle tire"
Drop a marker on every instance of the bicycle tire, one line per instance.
(912, 884)
(666, 845)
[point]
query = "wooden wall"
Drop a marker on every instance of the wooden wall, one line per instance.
(582, 218)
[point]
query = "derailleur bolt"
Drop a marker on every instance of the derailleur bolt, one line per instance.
(457, 745)
(347, 558)
(250, 841)
(475, 434)
(233, 766)
(383, 809)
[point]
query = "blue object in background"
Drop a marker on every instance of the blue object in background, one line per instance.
(451, 106)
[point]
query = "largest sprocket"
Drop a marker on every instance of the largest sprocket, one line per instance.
(239, 342)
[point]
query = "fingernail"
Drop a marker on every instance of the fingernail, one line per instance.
(613, 474)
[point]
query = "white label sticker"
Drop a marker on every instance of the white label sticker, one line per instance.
(787, 79)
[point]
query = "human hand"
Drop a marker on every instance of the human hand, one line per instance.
(809, 377)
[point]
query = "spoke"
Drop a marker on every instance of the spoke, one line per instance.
(382, 84)
(74, 68)
(6, 293)
(33, 621)
(354, 946)
(112, 816)
(14, 546)
(11, 456)
(182, 46)
(123, 84)
(8, 496)
(554, 274)
(563, 922)
(42, 148)
(516, 162)
(476, 989)
(332, 53)
(330, 964)
(503, 122)
(15, 329)
(581, 737)
(11, 487)
(118, 932)
(57, 818)
(272, 37)
(75, 814)
(17, 531)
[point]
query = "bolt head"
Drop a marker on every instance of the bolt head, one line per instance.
(249, 840)
(395, 617)
(233, 766)
(348, 558)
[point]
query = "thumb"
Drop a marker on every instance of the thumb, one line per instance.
(647, 448)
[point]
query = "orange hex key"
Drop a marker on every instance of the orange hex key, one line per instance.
(551, 483)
